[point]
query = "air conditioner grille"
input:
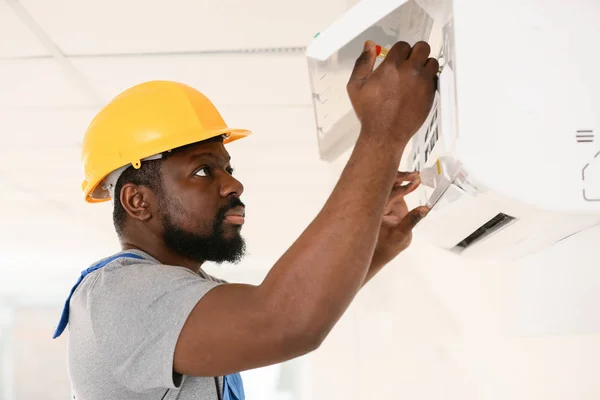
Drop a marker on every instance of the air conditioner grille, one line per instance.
(487, 229)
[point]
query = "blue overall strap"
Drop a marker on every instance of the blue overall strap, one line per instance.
(64, 318)
(233, 387)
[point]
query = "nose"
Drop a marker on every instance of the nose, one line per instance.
(231, 186)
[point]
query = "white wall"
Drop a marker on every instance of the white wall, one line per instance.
(434, 326)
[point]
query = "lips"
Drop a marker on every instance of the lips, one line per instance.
(235, 215)
(236, 212)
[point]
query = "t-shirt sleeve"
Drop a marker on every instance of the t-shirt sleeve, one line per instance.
(137, 314)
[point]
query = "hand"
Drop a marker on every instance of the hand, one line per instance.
(395, 234)
(395, 98)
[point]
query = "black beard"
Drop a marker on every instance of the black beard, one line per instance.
(199, 248)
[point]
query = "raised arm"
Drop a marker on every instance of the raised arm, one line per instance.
(238, 327)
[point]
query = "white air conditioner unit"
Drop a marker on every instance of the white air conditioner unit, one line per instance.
(510, 153)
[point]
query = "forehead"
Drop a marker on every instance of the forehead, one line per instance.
(189, 153)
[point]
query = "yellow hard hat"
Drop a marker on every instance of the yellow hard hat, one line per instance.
(141, 123)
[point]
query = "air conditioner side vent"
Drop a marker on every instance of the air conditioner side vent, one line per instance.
(493, 225)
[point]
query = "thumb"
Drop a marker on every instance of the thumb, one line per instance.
(364, 64)
(411, 219)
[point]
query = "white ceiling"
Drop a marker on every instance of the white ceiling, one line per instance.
(17, 40)
(141, 26)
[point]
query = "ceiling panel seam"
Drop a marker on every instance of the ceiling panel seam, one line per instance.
(242, 51)
(54, 50)
(222, 105)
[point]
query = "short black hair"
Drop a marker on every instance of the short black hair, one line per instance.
(147, 175)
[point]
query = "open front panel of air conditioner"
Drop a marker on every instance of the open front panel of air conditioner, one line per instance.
(332, 55)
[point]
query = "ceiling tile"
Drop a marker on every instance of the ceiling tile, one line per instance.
(43, 128)
(16, 40)
(246, 80)
(39, 83)
(134, 26)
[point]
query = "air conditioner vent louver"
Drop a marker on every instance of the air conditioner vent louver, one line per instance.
(487, 229)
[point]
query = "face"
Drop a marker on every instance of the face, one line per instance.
(200, 207)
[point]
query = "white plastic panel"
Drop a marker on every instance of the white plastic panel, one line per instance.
(522, 114)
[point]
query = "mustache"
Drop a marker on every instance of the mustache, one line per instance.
(232, 203)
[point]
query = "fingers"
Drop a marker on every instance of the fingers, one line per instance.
(407, 189)
(432, 66)
(363, 66)
(402, 51)
(398, 54)
(417, 56)
(420, 54)
(400, 190)
(403, 176)
(410, 221)
(420, 59)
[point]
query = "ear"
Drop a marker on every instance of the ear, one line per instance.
(137, 201)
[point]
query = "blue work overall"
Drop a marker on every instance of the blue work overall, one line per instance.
(233, 387)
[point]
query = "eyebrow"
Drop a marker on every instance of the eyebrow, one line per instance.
(216, 158)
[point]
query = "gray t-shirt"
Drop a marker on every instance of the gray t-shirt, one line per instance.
(124, 322)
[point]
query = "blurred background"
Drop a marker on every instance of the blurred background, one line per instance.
(430, 326)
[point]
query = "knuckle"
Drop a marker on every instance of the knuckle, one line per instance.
(351, 88)
(387, 67)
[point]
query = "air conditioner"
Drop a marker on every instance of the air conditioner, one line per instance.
(508, 156)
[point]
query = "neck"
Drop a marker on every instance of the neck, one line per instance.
(154, 246)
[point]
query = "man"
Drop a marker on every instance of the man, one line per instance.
(148, 323)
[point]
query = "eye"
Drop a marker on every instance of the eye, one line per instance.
(204, 171)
